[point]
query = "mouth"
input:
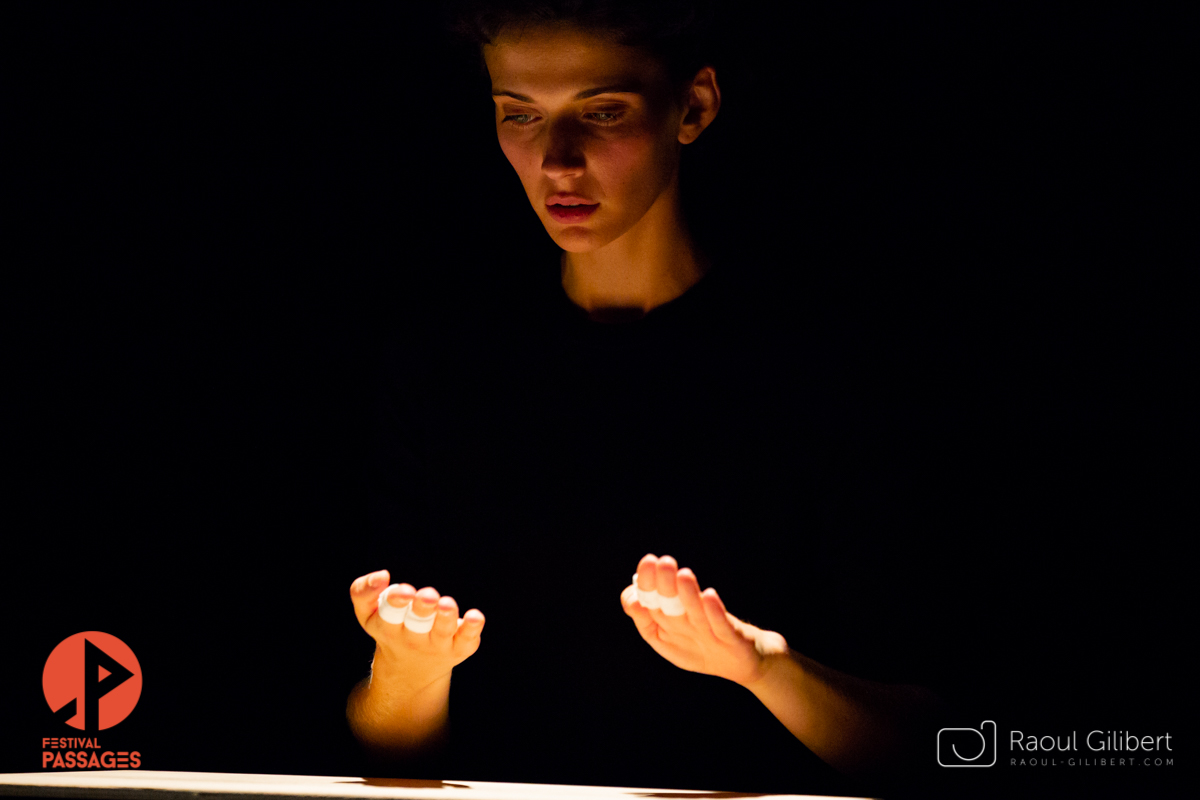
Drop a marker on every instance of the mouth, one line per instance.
(571, 212)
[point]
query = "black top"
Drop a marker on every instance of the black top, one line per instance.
(531, 457)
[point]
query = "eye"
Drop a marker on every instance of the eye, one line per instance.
(519, 120)
(605, 117)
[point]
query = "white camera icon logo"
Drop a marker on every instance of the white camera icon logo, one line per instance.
(967, 747)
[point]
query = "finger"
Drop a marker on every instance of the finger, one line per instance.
(364, 592)
(646, 572)
(424, 604)
(466, 640)
(472, 624)
(664, 577)
(398, 595)
(371, 579)
(689, 595)
(401, 595)
(446, 624)
(630, 604)
(717, 616)
(628, 598)
(645, 624)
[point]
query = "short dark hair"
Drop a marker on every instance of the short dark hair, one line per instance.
(675, 32)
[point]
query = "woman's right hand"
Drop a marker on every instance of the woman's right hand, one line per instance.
(411, 660)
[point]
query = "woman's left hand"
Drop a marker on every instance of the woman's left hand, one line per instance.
(705, 638)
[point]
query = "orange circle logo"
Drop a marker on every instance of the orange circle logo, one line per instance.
(92, 681)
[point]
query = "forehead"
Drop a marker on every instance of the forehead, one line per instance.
(549, 60)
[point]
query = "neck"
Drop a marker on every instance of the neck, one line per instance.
(653, 263)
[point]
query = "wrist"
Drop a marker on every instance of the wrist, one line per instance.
(395, 675)
(771, 650)
(395, 710)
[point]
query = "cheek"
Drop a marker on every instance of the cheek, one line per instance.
(521, 157)
(632, 167)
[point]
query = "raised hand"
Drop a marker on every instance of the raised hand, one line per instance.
(705, 638)
(415, 660)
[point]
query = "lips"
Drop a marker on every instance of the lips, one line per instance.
(567, 199)
(569, 208)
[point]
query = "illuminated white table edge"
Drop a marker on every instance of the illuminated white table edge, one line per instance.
(126, 784)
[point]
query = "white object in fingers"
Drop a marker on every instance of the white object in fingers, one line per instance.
(418, 624)
(390, 613)
(648, 598)
(671, 606)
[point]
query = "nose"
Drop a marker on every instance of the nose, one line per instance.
(563, 154)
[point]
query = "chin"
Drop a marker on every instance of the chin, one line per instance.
(576, 240)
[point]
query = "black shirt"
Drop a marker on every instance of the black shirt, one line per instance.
(531, 457)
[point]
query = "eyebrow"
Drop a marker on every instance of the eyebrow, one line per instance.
(628, 88)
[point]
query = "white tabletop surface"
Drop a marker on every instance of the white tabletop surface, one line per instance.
(151, 785)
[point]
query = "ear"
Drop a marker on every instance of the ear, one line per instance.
(702, 102)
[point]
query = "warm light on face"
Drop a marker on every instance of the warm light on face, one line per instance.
(590, 126)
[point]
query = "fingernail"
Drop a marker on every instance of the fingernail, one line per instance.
(375, 579)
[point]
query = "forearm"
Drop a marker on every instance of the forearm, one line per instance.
(387, 714)
(857, 726)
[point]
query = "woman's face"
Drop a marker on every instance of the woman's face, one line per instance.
(590, 126)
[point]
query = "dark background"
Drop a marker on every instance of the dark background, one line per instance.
(223, 210)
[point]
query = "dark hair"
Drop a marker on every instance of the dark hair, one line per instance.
(673, 31)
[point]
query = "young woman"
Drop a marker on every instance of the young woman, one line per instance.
(593, 112)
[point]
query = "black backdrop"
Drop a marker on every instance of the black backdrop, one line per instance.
(222, 210)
